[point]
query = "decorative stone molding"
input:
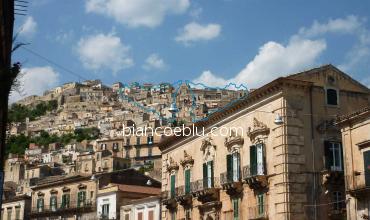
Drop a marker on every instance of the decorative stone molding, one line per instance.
(172, 166)
(65, 189)
(232, 140)
(40, 194)
(259, 128)
(81, 186)
(53, 191)
(209, 149)
(188, 160)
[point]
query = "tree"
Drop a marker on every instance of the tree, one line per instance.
(8, 75)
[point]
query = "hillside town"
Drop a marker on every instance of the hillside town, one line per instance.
(302, 152)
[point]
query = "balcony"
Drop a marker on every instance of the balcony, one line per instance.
(332, 177)
(232, 187)
(169, 200)
(206, 190)
(258, 212)
(254, 180)
(184, 198)
(72, 208)
(357, 186)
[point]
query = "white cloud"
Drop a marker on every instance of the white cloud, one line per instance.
(135, 13)
(272, 60)
(196, 32)
(196, 12)
(28, 28)
(347, 25)
(350, 25)
(301, 52)
(154, 61)
(104, 52)
(34, 81)
(64, 36)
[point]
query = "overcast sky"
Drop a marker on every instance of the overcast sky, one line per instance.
(248, 42)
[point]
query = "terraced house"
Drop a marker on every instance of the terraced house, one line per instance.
(276, 153)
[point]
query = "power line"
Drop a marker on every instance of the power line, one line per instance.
(54, 63)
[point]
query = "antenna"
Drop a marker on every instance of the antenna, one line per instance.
(20, 7)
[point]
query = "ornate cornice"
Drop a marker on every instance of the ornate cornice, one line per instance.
(188, 160)
(259, 128)
(233, 139)
(172, 165)
(205, 143)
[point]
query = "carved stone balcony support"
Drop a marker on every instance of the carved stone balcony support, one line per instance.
(254, 181)
(232, 188)
(206, 193)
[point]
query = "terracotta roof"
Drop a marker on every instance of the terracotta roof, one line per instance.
(139, 189)
(343, 119)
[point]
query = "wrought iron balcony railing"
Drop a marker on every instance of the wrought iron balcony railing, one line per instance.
(207, 183)
(86, 206)
(358, 184)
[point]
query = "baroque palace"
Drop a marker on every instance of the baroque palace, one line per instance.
(286, 164)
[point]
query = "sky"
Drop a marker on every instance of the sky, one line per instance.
(249, 42)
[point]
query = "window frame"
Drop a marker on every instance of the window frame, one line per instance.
(326, 96)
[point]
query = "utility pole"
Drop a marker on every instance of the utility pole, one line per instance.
(7, 76)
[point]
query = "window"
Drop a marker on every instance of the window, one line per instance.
(338, 201)
(127, 141)
(91, 195)
(173, 216)
(257, 160)
(236, 209)
(127, 216)
(40, 204)
(188, 214)
(53, 203)
(150, 151)
(333, 156)
(17, 213)
(150, 140)
(331, 97)
(187, 181)
(65, 201)
(81, 199)
(151, 215)
(137, 151)
(105, 210)
(261, 204)
(173, 185)
(140, 216)
(115, 146)
(233, 167)
(208, 174)
(367, 168)
(127, 153)
(9, 213)
(137, 140)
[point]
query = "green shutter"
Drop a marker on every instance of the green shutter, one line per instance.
(328, 155)
(79, 199)
(187, 181)
(212, 174)
(173, 186)
(253, 160)
(238, 168)
(236, 209)
(229, 165)
(205, 176)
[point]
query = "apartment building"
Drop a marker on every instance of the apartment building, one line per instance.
(275, 154)
(356, 145)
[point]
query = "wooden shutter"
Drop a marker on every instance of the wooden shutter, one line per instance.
(212, 174)
(205, 176)
(238, 167)
(253, 160)
(173, 185)
(328, 155)
(236, 209)
(187, 181)
(229, 167)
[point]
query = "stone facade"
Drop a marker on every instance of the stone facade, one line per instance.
(269, 156)
(356, 143)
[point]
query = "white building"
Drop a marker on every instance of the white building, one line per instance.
(142, 209)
